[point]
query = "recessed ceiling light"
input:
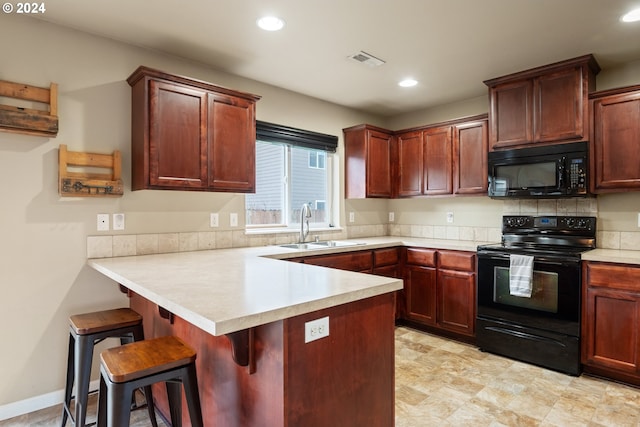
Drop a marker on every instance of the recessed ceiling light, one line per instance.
(632, 16)
(407, 82)
(270, 23)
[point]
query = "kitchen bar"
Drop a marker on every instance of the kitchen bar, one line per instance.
(262, 306)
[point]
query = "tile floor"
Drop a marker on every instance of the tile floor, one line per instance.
(445, 383)
(440, 382)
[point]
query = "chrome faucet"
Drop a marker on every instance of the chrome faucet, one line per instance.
(305, 214)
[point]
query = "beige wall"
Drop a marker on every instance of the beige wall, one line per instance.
(43, 253)
(42, 258)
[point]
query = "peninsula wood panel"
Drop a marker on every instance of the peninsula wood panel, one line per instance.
(351, 371)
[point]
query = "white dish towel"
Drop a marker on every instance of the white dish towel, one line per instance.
(520, 275)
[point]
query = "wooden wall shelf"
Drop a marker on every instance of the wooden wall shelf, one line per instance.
(86, 182)
(28, 120)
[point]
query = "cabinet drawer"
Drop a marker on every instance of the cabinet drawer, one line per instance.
(454, 260)
(385, 257)
(352, 261)
(612, 276)
(424, 257)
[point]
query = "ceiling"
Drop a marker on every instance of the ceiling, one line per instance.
(449, 46)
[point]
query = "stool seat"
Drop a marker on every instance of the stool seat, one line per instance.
(100, 321)
(143, 363)
(130, 362)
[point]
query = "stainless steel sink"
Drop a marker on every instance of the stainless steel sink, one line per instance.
(320, 245)
(301, 246)
(336, 243)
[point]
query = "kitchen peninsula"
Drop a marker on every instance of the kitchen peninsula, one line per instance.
(245, 313)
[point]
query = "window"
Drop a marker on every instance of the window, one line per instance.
(293, 168)
(317, 159)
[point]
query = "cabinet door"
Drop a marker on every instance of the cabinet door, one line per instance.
(232, 144)
(456, 301)
(612, 324)
(616, 142)
(437, 152)
(470, 146)
(410, 167)
(511, 113)
(420, 294)
(177, 136)
(559, 106)
(378, 164)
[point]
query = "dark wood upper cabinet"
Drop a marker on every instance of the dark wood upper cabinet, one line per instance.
(188, 134)
(542, 105)
(410, 163)
(232, 147)
(511, 106)
(176, 114)
(470, 146)
(615, 140)
(437, 154)
(368, 154)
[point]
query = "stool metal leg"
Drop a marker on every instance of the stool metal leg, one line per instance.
(102, 403)
(83, 359)
(174, 392)
(151, 408)
(69, 383)
(118, 408)
(190, 382)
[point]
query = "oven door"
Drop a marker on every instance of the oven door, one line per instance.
(555, 300)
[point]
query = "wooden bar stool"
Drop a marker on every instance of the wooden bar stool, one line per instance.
(85, 331)
(140, 364)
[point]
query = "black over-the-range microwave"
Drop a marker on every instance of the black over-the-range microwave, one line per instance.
(559, 170)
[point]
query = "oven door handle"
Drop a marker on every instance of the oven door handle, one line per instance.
(536, 259)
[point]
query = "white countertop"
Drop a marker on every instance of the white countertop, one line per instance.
(227, 290)
(613, 255)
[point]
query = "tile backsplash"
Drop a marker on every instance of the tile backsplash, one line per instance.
(104, 246)
(107, 246)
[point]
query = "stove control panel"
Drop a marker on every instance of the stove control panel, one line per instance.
(542, 224)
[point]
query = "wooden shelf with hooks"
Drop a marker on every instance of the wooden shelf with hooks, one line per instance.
(85, 182)
(29, 120)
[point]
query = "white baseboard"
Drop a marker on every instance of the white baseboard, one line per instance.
(36, 403)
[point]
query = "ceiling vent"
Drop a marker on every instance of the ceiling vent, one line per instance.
(365, 58)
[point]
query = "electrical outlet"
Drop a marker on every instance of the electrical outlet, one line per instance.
(103, 222)
(233, 219)
(118, 221)
(213, 220)
(638, 219)
(316, 329)
(352, 217)
(392, 216)
(450, 217)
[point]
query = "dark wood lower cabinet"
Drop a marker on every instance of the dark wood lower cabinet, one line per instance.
(343, 380)
(611, 321)
(420, 294)
(440, 291)
(456, 301)
(439, 285)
